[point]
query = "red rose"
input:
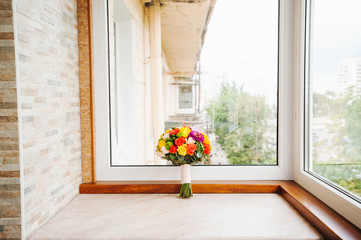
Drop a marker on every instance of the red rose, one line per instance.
(179, 141)
(191, 148)
(173, 149)
(207, 148)
(174, 131)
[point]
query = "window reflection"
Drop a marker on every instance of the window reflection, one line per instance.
(334, 97)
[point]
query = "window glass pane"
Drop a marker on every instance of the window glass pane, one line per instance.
(185, 97)
(122, 84)
(211, 65)
(239, 65)
(334, 93)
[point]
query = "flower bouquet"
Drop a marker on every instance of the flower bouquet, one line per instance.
(184, 147)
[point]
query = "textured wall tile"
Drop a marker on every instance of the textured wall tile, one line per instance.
(50, 106)
(9, 145)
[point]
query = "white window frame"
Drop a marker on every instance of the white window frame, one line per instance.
(283, 171)
(338, 201)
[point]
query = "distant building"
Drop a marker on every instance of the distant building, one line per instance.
(348, 75)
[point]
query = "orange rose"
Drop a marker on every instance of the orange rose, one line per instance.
(174, 131)
(191, 148)
(179, 141)
(207, 148)
(173, 149)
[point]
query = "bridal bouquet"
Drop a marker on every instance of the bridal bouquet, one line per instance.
(184, 147)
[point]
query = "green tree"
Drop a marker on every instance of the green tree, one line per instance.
(344, 113)
(321, 105)
(241, 121)
(353, 123)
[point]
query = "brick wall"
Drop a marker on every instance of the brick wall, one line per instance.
(49, 95)
(10, 215)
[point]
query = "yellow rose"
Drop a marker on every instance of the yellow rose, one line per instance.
(161, 143)
(185, 131)
(206, 139)
(167, 131)
(182, 149)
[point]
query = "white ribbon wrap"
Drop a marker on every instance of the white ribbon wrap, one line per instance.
(185, 173)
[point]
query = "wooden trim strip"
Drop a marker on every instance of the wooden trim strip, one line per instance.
(85, 43)
(90, 27)
(234, 188)
(327, 222)
(94, 188)
(324, 219)
(174, 187)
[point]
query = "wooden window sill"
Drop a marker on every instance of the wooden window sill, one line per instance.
(327, 222)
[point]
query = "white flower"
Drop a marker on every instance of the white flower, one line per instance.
(164, 150)
(190, 140)
(166, 136)
(160, 154)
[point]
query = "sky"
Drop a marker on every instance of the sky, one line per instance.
(241, 47)
(241, 44)
(336, 35)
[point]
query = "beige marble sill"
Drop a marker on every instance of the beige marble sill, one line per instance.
(165, 216)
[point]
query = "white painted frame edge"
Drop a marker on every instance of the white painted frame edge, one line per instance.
(101, 84)
(341, 203)
(102, 153)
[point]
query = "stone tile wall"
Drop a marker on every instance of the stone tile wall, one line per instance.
(50, 109)
(10, 207)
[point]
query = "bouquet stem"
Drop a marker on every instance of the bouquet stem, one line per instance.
(186, 188)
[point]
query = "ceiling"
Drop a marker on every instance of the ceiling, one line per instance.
(184, 25)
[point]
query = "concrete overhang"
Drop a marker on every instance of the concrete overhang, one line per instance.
(184, 26)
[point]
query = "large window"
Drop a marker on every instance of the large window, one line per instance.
(211, 65)
(235, 55)
(333, 94)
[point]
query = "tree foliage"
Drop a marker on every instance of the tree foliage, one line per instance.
(353, 124)
(243, 125)
(343, 114)
(343, 139)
